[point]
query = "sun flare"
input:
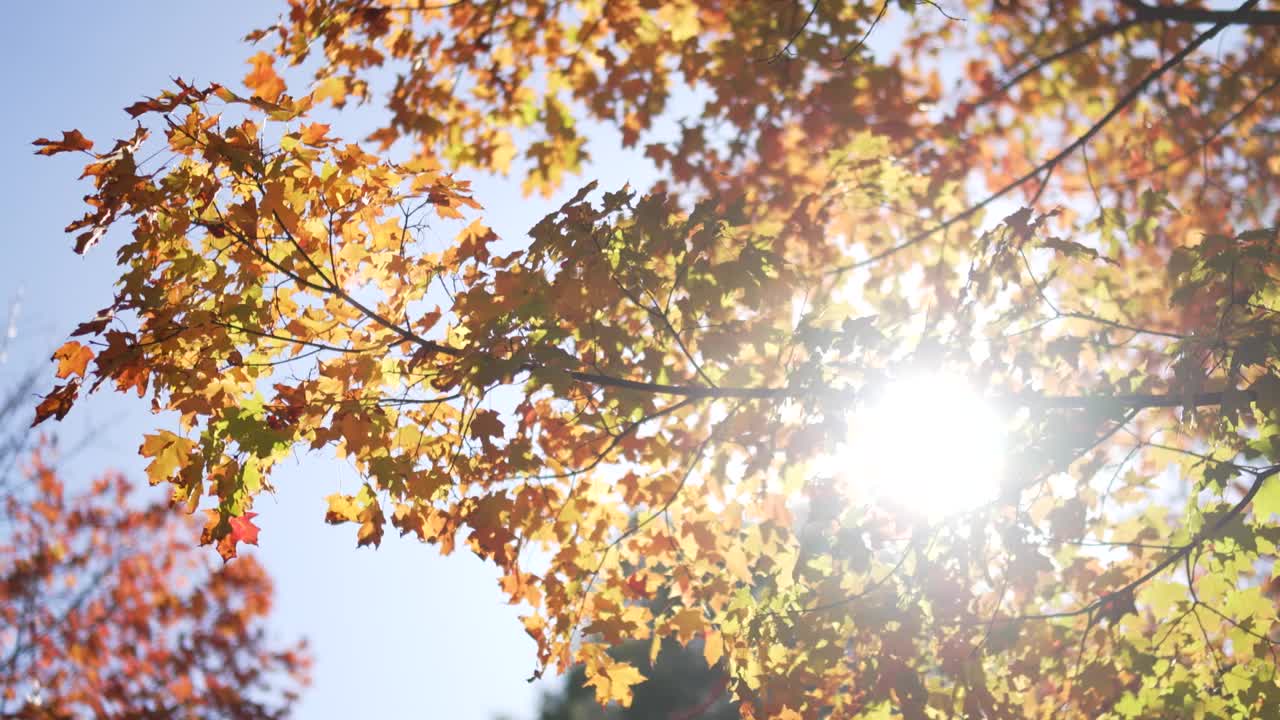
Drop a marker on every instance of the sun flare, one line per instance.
(929, 444)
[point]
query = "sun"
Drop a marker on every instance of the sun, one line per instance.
(929, 444)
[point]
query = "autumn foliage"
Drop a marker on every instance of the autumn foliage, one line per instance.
(107, 608)
(1071, 205)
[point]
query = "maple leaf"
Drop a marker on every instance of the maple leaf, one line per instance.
(262, 79)
(370, 532)
(334, 89)
(225, 531)
(57, 403)
(72, 140)
(314, 134)
(613, 682)
(688, 623)
(485, 426)
(362, 508)
(243, 529)
(342, 508)
(638, 585)
(170, 453)
(72, 359)
(713, 648)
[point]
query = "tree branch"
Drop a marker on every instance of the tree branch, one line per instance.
(1025, 399)
(1124, 101)
(1170, 13)
(1260, 477)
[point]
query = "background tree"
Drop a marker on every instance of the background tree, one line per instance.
(647, 389)
(678, 686)
(108, 610)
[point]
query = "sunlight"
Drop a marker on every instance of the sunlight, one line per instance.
(930, 444)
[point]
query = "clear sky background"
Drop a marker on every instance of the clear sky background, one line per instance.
(399, 632)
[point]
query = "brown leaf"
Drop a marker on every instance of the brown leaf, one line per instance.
(71, 141)
(94, 326)
(57, 403)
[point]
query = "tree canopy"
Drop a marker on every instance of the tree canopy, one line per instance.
(637, 411)
(107, 608)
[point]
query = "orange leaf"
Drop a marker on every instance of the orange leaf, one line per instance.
(314, 134)
(72, 359)
(262, 79)
(713, 648)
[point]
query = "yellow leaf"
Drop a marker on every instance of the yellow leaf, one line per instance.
(342, 508)
(713, 648)
(681, 20)
(273, 201)
(170, 453)
(333, 89)
(613, 681)
(735, 560)
(688, 623)
(1267, 501)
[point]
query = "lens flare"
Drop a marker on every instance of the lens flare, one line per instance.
(929, 445)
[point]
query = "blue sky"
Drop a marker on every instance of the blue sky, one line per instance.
(398, 632)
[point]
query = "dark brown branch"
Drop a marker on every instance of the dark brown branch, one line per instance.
(1029, 399)
(1202, 15)
(1024, 399)
(691, 391)
(1099, 33)
(294, 340)
(863, 40)
(791, 41)
(1130, 401)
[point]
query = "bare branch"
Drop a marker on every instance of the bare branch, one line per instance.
(1169, 13)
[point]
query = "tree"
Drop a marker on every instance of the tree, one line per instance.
(109, 609)
(633, 403)
(678, 686)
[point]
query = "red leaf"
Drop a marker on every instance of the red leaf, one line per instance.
(638, 585)
(243, 530)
